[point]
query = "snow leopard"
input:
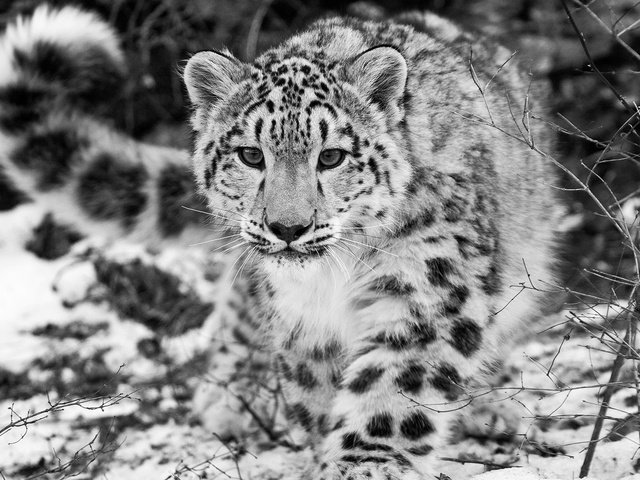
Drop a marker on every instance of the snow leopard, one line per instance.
(381, 199)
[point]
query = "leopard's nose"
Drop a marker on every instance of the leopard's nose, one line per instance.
(288, 233)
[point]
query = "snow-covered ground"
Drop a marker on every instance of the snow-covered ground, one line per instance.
(95, 387)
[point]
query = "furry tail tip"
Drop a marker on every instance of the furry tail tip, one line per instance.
(58, 53)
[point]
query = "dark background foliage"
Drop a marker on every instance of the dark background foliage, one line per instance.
(158, 35)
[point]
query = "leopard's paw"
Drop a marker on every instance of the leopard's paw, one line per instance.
(238, 409)
(220, 412)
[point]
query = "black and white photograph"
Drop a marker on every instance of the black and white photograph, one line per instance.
(319, 240)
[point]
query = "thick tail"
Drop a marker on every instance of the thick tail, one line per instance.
(56, 68)
(53, 58)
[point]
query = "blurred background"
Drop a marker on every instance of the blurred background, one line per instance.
(158, 35)
(587, 51)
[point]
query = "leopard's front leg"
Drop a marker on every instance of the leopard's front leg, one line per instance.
(237, 396)
(392, 409)
(385, 416)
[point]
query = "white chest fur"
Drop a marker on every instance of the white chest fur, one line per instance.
(313, 303)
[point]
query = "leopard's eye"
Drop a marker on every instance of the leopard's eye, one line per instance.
(251, 156)
(331, 158)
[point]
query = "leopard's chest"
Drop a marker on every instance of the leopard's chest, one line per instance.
(314, 307)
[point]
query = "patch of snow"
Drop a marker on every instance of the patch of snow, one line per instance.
(526, 473)
(75, 281)
(27, 301)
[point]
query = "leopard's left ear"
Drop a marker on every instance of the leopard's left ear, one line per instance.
(210, 76)
(380, 74)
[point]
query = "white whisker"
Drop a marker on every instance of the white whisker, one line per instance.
(333, 273)
(221, 227)
(368, 246)
(252, 250)
(230, 211)
(340, 264)
(243, 242)
(215, 240)
(349, 252)
(211, 214)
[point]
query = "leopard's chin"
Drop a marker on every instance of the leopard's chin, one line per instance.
(291, 263)
(289, 254)
(292, 256)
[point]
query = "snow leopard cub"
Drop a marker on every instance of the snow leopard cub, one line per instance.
(383, 223)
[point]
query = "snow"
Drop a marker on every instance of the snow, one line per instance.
(153, 427)
(74, 285)
(518, 474)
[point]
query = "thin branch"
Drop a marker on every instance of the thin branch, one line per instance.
(606, 398)
(592, 64)
(616, 36)
(254, 29)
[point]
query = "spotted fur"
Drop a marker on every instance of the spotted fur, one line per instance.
(380, 285)
(59, 69)
(405, 252)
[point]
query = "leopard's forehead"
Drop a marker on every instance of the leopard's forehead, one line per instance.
(296, 91)
(297, 66)
(295, 82)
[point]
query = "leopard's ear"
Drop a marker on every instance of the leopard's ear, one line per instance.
(380, 74)
(210, 76)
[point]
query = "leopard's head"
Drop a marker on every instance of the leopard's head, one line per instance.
(303, 153)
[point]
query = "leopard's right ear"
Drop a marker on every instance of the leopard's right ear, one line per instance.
(210, 76)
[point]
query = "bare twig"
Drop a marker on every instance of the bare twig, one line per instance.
(254, 29)
(616, 36)
(604, 79)
(99, 402)
(606, 398)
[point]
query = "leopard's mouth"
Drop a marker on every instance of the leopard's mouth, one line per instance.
(291, 253)
(295, 253)
(312, 248)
